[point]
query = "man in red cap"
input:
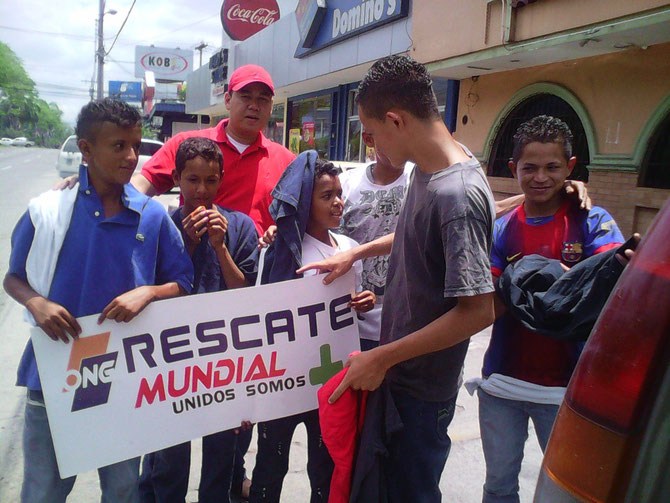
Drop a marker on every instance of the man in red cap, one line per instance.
(252, 164)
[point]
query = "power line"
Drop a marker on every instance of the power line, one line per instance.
(119, 32)
(73, 36)
(184, 27)
(117, 63)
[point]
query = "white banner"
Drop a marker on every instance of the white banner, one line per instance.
(191, 366)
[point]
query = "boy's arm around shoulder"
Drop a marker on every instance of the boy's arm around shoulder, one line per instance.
(156, 175)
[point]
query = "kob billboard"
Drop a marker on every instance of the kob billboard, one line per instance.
(171, 65)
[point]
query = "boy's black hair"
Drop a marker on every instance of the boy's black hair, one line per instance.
(397, 82)
(543, 129)
(322, 167)
(94, 113)
(197, 146)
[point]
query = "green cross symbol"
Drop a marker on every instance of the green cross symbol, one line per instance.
(327, 369)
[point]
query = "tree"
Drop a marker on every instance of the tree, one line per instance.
(22, 111)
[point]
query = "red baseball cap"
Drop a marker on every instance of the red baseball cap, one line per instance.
(249, 74)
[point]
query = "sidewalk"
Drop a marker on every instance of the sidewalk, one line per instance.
(461, 481)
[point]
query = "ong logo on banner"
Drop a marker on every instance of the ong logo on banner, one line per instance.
(192, 366)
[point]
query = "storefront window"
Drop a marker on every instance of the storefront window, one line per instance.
(355, 148)
(441, 96)
(310, 124)
(275, 129)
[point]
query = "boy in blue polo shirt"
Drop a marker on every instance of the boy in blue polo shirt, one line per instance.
(222, 244)
(99, 247)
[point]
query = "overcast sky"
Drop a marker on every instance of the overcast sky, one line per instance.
(55, 39)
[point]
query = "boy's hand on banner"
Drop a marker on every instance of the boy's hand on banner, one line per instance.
(54, 319)
(268, 237)
(363, 301)
(128, 305)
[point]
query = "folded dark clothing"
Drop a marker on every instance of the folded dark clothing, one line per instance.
(381, 422)
(559, 304)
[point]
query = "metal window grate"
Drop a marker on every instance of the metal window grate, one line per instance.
(655, 170)
(547, 104)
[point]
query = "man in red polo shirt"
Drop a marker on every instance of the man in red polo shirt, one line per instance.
(252, 164)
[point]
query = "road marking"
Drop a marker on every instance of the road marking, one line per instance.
(5, 168)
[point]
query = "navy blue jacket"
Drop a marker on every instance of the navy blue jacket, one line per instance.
(292, 199)
(555, 303)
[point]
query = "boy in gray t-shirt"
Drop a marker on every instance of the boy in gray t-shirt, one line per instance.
(439, 290)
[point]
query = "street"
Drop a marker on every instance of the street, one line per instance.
(24, 173)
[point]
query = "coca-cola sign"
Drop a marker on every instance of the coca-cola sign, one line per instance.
(243, 18)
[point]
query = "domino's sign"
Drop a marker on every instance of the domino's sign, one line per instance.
(343, 19)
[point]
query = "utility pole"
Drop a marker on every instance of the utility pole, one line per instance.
(199, 48)
(100, 53)
(101, 50)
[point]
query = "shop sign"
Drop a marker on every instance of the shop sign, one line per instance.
(125, 91)
(243, 18)
(344, 19)
(219, 88)
(193, 365)
(168, 65)
(309, 14)
(294, 140)
(370, 155)
(308, 133)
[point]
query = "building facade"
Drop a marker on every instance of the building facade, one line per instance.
(601, 65)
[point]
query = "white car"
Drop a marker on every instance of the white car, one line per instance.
(5, 141)
(22, 141)
(69, 157)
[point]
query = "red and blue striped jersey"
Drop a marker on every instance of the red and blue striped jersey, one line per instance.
(570, 235)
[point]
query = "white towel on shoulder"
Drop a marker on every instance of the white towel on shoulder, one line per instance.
(50, 214)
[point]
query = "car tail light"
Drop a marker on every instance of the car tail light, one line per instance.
(598, 430)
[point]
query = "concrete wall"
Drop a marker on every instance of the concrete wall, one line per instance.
(446, 28)
(619, 93)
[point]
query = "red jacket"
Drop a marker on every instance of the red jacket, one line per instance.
(341, 425)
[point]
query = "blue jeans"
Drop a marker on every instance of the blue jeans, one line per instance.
(418, 452)
(41, 481)
(504, 429)
(274, 443)
(165, 473)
